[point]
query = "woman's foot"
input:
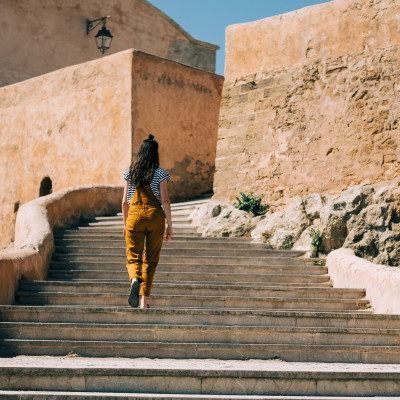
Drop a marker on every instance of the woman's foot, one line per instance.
(133, 299)
(144, 302)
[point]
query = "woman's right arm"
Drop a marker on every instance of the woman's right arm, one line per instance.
(125, 205)
(167, 209)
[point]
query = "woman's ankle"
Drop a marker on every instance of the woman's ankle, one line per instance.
(144, 301)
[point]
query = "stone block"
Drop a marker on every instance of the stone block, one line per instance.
(276, 91)
(255, 95)
(266, 115)
(263, 105)
(239, 99)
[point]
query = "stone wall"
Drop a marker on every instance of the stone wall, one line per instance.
(81, 125)
(180, 106)
(72, 125)
(323, 31)
(40, 36)
(319, 126)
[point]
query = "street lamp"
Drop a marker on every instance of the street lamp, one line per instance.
(103, 37)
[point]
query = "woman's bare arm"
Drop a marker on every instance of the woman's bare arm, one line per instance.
(167, 209)
(125, 205)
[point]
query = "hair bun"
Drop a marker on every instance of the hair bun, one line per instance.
(151, 137)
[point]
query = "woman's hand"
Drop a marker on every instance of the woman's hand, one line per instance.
(168, 234)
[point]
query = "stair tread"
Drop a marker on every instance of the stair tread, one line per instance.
(22, 395)
(240, 286)
(258, 313)
(198, 365)
(163, 326)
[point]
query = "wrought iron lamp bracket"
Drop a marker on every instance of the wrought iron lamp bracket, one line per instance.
(91, 24)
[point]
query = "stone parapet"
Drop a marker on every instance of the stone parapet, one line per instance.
(380, 281)
(34, 242)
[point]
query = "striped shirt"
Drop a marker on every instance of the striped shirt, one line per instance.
(160, 174)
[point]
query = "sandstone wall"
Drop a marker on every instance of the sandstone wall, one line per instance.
(318, 126)
(322, 31)
(73, 125)
(39, 36)
(180, 106)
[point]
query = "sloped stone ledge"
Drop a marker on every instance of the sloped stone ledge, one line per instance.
(34, 241)
(380, 281)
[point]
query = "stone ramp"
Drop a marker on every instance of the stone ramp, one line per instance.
(215, 303)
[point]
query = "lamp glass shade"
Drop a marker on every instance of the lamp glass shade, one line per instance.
(103, 39)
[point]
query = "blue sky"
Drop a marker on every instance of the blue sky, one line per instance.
(207, 19)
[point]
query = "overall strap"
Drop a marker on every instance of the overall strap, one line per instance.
(144, 195)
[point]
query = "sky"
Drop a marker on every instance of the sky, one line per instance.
(207, 19)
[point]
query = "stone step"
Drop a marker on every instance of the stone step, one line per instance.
(194, 259)
(193, 301)
(87, 235)
(180, 282)
(191, 276)
(182, 212)
(209, 243)
(353, 353)
(61, 395)
(256, 290)
(187, 205)
(242, 379)
(178, 226)
(172, 333)
(187, 251)
(118, 233)
(119, 224)
(188, 229)
(119, 218)
(200, 268)
(264, 318)
(179, 221)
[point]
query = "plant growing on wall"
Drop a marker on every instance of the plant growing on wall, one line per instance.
(316, 240)
(251, 203)
(288, 245)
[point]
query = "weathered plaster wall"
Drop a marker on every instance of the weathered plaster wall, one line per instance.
(73, 125)
(318, 126)
(78, 125)
(180, 106)
(323, 31)
(39, 36)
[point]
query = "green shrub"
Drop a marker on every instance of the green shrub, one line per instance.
(316, 237)
(250, 203)
(288, 245)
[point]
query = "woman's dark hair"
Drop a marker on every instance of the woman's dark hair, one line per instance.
(147, 161)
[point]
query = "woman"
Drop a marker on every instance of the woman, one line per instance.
(145, 191)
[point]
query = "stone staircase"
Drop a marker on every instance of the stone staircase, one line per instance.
(229, 320)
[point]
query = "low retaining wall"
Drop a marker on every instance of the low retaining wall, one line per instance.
(381, 282)
(34, 242)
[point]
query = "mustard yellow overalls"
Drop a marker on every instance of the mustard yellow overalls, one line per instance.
(145, 221)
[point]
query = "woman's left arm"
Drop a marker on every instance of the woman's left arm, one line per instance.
(125, 205)
(167, 209)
